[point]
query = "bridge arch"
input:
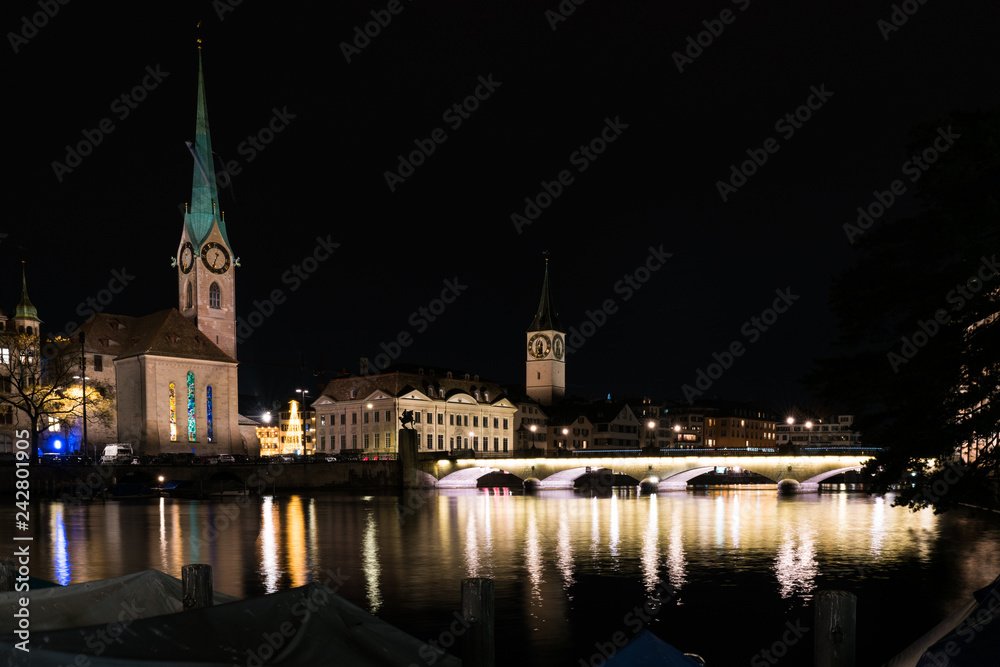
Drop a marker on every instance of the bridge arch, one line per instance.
(569, 479)
(679, 481)
(470, 478)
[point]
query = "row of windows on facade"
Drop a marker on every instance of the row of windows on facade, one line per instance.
(214, 296)
(453, 442)
(463, 420)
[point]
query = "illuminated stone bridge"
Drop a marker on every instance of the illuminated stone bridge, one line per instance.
(793, 473)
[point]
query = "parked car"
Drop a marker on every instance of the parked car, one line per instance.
(226, 458)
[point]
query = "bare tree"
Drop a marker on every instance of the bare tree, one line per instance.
(38, 390)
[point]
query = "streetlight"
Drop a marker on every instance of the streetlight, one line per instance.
(677, 431)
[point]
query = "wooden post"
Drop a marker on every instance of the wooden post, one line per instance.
(196, 582)
(835, 620)
(8, 570)
(477, 612)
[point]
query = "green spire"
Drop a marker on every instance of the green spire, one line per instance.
(203, 211)
(25, 310)
(546, 319)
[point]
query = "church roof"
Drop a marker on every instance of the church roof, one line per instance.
(546, 319)
(166, 333)
(203, 211)
(399, 381)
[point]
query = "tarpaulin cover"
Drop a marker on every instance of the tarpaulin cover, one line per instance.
(139, 595)
(969, 637)
(648, 650)
(305, 626)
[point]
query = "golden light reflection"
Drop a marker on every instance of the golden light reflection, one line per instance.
(471, 545)
(268, 544)
(295, 542)
(795, 563)
(676, 565)
(533, 556)
(369, 557)
(614, 532)
(878, 528)
(564, 546)
(650, 558)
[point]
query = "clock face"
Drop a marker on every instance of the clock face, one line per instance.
(557, 347)
(186, 257)
(215, 256)
(539, 346)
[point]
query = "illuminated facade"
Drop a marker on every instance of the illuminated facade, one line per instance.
(451, 411)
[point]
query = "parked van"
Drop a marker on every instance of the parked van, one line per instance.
(119, 453)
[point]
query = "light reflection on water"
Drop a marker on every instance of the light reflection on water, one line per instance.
(565, 565)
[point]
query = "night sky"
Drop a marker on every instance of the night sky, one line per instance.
(669, 119)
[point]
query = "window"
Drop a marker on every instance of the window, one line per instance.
(440, 442)
(365, 417)
(98, 363)
(322, 420)
(496, 422)
(376, 417)
(343, 441)
(192, 435)
(430, 441)
(173, 414)
(322, 442)
(466, 420)
(208, 410)
(505, 426)
(388, 416)
(214, 296)
(388, 439)
(441, 419)
(376, 441)
(366, 441)
(354, 440)
(505, 444)
(354, 417)
(190, 295)
(416, 417)
(451, 419)
(475, 421)
(496, 444)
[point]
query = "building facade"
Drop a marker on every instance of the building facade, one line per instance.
(452, 411)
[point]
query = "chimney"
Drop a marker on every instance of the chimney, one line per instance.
(364, 365)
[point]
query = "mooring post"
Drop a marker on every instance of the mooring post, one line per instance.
(479, 648)
(196, 583)
(835, 621)
(7, 573)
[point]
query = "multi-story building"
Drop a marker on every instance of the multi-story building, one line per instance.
(732, 425)
(452, 411)
(833, 432)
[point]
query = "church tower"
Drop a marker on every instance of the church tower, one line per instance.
(545, 373)
(25, 316)
(206, 282)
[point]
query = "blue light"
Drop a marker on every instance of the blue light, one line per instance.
(57, 444)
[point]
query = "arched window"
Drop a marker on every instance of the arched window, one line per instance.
(192, 433)
(190, 295)
(173, 414)
(208, 410)
(214, 296)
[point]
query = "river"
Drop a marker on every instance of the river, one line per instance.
(727, 574)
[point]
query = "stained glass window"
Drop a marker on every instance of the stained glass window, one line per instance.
(192, 434)
(173, 414)
(208, 410)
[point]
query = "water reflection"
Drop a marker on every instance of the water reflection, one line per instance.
(369, 550)
(268, 544)
(60, 548)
